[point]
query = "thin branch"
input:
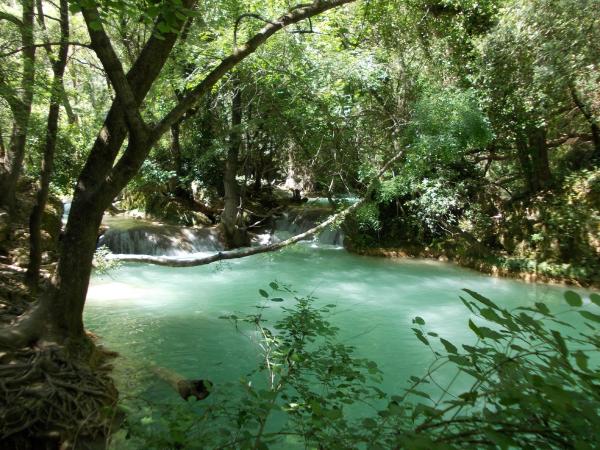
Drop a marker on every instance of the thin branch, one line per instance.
(26, 47)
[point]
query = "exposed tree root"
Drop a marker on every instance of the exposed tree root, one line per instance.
(47, 400)
(48, 397)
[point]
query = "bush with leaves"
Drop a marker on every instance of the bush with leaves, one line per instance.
(529, 386)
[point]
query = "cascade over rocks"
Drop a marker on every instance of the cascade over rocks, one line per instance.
(137, 237)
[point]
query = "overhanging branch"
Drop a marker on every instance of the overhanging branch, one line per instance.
(295, 15)
(242, 253)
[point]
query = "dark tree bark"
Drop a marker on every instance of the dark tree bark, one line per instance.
(532, 152)
(20, 106)
(35, 220)
(539, 156)
(97, 186)
(230, 218)
(587, 113)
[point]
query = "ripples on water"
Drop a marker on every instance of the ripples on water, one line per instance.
(170, 316)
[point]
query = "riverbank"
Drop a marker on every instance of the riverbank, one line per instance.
(528, 270)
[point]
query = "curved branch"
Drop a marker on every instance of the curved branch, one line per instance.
(297, 14)
(11, 18)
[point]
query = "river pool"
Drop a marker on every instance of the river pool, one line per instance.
(170, 316)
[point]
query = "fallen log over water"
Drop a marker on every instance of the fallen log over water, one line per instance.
(186, 388)
(248, 251)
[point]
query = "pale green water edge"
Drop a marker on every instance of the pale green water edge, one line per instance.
(170, 316)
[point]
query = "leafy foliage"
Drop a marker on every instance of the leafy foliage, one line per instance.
(527, 385)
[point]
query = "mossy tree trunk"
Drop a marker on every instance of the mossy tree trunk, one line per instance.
(231, 216)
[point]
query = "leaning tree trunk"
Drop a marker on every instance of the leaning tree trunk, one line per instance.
(21, 108)
(35, 220)
(230, 218)
(589, 116)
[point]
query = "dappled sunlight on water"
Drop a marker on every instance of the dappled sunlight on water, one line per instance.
(170, 316)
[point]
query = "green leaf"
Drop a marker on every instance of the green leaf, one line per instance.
(459, 360)
(466, 303)
(590, 316)
(573, 299)
(542, 308)
(485, 332)
(263, 293)
(595, 299)
(450, 348)
(419, 393)
(581, 359)
(475, 329)
(420, 336)
(486, 301)
(274, 285)
(277, 299)
(491, 315)
(419, 320)
(369, 423)
(562, 347)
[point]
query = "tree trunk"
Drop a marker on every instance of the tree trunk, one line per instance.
(176, 149)
(587, 113)
(13, 160)
(74, 268)
(539, 157)
(181, 189)
(35, 220)
(230, 218)
(525, 162)
(532, 151)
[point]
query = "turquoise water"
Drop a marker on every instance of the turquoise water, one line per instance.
(170, 316)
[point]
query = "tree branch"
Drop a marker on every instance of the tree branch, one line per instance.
(114, 69)
(235, 254)
(11, 18)
(44, 44)
(295, 15)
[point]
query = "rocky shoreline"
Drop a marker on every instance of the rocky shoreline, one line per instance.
(529, 271)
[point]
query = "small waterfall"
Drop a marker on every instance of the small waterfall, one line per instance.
(142, 238)
(303, 218)
(66, 211)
